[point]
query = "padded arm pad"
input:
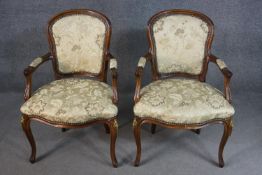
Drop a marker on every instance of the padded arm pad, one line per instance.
(36, 62)
(113, 63)
(221, 64)
(141, 62)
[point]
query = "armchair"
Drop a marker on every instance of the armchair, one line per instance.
(79, 97)
(178, 97)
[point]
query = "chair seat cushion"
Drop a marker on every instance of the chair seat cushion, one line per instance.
(71, 101)
(182, 101)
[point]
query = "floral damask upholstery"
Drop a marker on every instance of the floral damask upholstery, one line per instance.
(36, 62)
(113, 63)
(71, 101)
(141, 62)
(182, 101)
(180, 43)
(221, 64)
(79, 41)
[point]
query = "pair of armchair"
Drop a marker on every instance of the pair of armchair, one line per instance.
(178, 97)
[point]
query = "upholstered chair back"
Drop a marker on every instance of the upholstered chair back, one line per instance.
(79, 42)
(180, 42)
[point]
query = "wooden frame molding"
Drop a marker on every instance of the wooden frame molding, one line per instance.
(151, 58)
(110, 125)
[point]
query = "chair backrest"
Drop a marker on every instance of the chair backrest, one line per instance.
(179, 42)
(79, 41)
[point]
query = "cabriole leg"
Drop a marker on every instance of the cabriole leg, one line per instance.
(137, 134)
(228, 125)
(113, 127)
(25, 121)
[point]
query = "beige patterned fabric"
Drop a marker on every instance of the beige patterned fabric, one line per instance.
(221, 64)
(141, 62)
(72, 101)
(180, 43)
(36, 62)
(113, 63)
(182, 101)
(79, 41)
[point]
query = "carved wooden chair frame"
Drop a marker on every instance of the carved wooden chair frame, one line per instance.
(110, 125)
(151, 57)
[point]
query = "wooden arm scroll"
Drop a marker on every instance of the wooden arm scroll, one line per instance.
(113, 68)
(227, 75)
(30, 70)
(138, 74)
(36, 63)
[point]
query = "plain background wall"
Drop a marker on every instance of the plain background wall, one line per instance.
(238, 37)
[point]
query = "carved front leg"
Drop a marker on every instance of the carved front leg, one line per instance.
(137, 134)
(113, 126)
(228, 125)
(25, 122)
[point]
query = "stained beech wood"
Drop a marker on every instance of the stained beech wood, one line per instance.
(25, 122)
(228, 125)
(153, 128)
(107, 129)
(114, 80)
(113, 135)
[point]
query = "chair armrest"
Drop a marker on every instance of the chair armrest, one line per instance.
(113, 63)
(222, 65)
(226, 73)
(30, 70)
(36, 63)
(113, 68)
(138, 75)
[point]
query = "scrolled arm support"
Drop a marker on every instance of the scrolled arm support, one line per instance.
(138, 74)
(30, 70)
(226, 73)
(113, 68)
(36, 63)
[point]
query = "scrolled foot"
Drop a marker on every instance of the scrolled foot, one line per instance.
(32, 160)
(221, 164)
(115, 163)
(136, 163)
